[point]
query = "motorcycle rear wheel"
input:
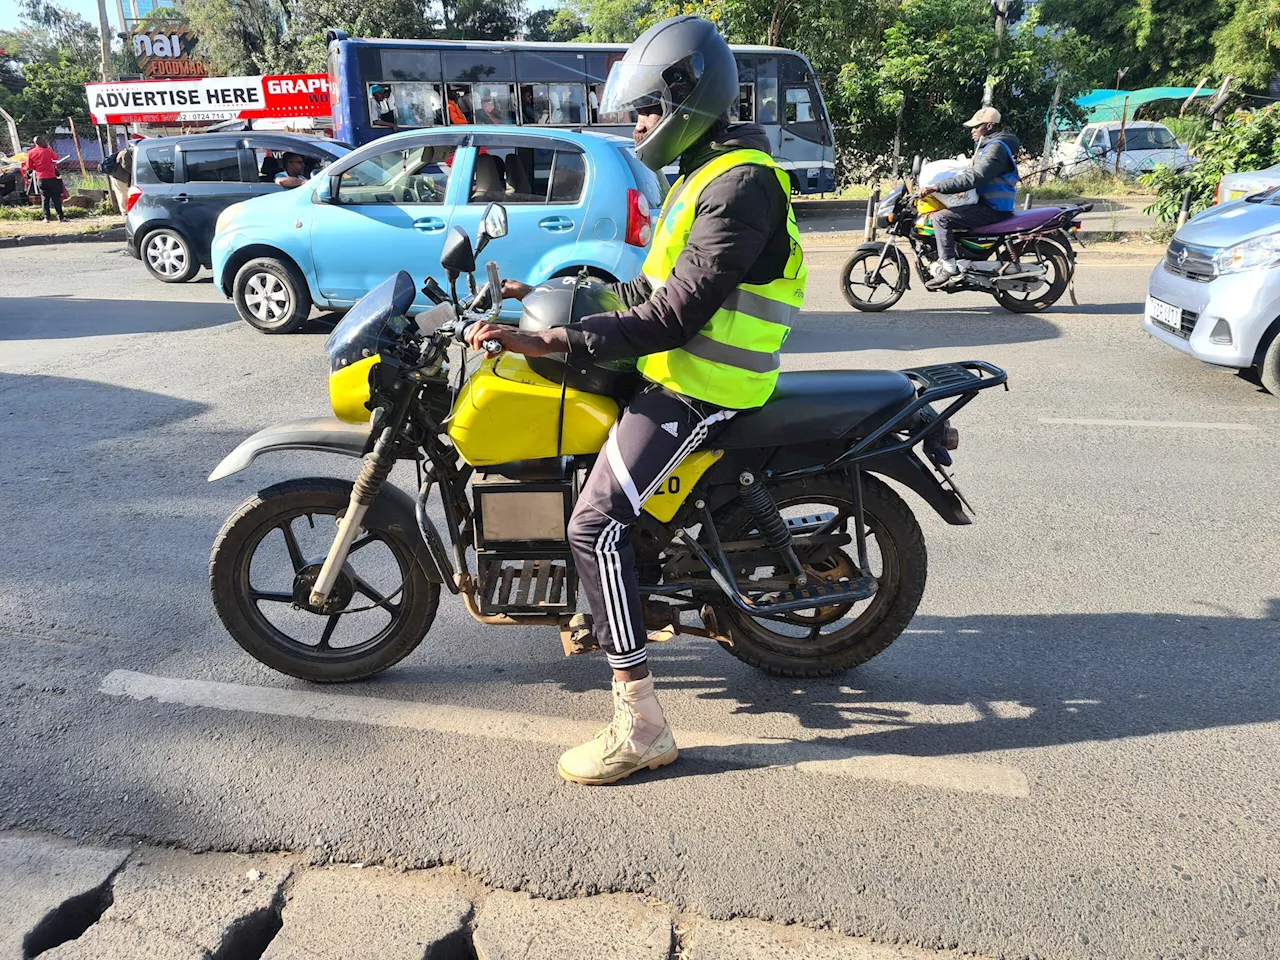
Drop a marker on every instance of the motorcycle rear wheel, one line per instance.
(1058, 269)
(773, 646)
(866, 289)
(384, 588)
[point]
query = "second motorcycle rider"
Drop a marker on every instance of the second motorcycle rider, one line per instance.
(722, 283)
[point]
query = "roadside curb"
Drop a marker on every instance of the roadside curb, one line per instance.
(40, 240)
(72, 902)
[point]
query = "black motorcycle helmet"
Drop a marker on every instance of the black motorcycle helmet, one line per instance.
(683, 66)
(565, 300)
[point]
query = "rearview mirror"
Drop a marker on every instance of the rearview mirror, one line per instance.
(493, 224)
(458, 257)
(916, 164)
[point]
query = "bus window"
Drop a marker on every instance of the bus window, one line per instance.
(746, 102)
(799, 106)
(494, 102)
(767, 90)
(412, 104)
(478, 66)
(552, 103)
(400, 65)
(539, 66)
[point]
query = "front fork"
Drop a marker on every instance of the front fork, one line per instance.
(373, 474)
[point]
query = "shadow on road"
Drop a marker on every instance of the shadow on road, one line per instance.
(831, 332)
(59, 317)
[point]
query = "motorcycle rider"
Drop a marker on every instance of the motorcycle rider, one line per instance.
(994, 174)
(723, 280)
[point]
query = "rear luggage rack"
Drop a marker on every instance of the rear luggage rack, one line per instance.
(963, 380)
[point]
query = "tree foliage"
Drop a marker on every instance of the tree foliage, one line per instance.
(44, 67)
(923, 76)
(553, 25)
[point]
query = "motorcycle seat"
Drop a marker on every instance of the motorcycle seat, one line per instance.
(1017, 223)
(818, 405)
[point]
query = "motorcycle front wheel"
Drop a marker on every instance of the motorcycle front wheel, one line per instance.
(870, 290)
(269, 553)
(828, 640)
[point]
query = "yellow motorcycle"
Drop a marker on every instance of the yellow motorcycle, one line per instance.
(779, 540)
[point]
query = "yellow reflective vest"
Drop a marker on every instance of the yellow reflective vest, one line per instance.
(733, 361)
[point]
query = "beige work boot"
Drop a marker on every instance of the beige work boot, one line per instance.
(637, 738)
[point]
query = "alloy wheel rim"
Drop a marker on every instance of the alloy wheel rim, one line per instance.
(267, 297)
(166, 255)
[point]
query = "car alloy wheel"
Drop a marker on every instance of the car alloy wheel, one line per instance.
(167, 255)
(267, 298)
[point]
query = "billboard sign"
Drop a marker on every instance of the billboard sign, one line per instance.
(209, 98)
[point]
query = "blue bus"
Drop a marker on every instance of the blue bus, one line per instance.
(426, 83)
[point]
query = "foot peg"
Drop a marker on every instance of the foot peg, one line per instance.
(577, 635)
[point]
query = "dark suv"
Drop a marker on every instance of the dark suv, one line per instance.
(181, 184)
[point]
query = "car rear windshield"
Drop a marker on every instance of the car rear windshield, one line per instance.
(157, 165)
(653, 186)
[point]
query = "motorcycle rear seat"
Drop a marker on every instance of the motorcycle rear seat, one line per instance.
(1026, 220)
(818, 405)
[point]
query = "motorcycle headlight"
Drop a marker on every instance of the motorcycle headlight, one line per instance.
(351, 389)
(1256, 254)
(226, 216)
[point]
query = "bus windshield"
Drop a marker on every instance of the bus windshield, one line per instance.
(382, 86)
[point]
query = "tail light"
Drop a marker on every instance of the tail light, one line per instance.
(131, 198)
(639, 229)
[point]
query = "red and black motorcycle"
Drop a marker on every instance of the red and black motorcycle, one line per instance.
(1026, 261)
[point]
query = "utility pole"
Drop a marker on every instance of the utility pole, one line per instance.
(104, 30)
(1002, 13)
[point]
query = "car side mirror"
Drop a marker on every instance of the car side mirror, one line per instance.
(494, 222)
(335, 182)
(458, 257)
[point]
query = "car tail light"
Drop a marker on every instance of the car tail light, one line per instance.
(131, 198)
(639, 229)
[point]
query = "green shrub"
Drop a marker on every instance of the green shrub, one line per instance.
(1246, 141)
(31, 213)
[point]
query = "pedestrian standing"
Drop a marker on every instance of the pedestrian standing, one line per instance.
(43, 163)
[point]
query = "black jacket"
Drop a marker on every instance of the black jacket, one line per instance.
(989, 162)
(739, 235)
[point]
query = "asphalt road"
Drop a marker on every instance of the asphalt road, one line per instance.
(1072, 753)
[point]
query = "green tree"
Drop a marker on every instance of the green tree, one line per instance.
(552, 25)
(605, 21)
(242, 37)
(310, 20)
(1247, 47)
(482, 19)
(924, 76)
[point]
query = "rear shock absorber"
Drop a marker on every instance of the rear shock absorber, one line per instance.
(773, 529)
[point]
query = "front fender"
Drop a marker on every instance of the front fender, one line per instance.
(325, 434)
(908, 470)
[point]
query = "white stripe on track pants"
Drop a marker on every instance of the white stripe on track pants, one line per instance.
(657, 430)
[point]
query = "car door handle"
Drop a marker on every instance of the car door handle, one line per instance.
(182, 198)
(428, 225)
(556, 224)
(788, 138)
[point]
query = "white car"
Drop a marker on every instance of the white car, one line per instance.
(1216, 294)
(1236, 185)
(1146, 146)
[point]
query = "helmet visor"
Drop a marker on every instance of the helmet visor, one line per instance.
(634, 86)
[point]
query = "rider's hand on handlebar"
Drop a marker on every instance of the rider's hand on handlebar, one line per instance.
(516, 341)
(514, 290)
(925, 191)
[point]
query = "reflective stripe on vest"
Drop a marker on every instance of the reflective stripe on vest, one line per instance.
(1001, 193)
(734, 360)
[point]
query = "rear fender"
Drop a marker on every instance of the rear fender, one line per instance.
(907, 469)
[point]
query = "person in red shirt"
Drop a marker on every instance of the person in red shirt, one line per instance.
(43, 162)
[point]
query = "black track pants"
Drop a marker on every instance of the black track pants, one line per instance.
(657, 430)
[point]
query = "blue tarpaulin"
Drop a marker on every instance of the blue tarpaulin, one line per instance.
(1101, 106)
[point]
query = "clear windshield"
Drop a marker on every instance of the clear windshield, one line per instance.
(373, 324)
(1149, 138)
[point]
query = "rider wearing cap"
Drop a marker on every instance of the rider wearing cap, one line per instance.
(719, 289)
(994, 174)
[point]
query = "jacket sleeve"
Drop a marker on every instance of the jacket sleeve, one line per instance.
(634, 293)
(736, 215)
(991, 162)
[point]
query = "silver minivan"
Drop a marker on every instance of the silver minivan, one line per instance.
(1216, 293)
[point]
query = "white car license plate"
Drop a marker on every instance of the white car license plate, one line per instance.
(1165, 314)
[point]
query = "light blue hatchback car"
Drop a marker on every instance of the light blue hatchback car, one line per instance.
(573, 200)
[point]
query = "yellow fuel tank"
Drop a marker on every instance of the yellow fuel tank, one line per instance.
(507, 412)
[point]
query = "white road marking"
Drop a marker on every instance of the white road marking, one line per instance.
(940, 773)
(1161, 424)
